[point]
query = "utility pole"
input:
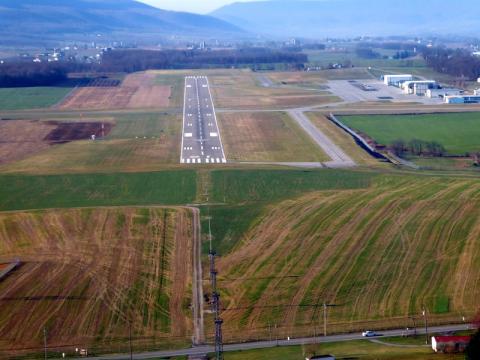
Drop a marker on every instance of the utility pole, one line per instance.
(45, 341)
(324, 319)
(414, 327)
(424, 313)
(130, 339)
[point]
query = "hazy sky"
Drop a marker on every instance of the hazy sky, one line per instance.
(198, 6)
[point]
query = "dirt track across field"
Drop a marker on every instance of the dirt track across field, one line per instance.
(197, 281)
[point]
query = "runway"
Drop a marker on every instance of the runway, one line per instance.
(201, 139)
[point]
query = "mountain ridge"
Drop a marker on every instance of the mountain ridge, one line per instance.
(57, 19)
(336, 18)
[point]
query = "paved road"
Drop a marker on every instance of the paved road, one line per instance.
(338, 157)
(201, 141)
(269, 344)
(197, 286)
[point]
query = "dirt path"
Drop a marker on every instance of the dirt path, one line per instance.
(338, 156)
(197, 284)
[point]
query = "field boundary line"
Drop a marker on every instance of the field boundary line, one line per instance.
(197, 280)
(64, 99)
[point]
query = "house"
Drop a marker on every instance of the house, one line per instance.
(321, 357)
(450, 344)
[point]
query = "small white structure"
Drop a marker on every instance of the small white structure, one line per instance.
(477, 92)
(396, 80)
(463, 99)
(418, 87)
(442, 93)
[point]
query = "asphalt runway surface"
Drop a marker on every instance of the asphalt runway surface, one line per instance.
(201, 140)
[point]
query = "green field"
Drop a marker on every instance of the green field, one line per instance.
(64, 191)
(240, 186)
(457, 132)
(31, 97)
(324, 58)
(361, 349)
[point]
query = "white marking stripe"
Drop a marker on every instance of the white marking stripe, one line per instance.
(188, 135)
(214, 134)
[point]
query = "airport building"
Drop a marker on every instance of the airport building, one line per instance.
(396, 80)
(419, 87)
(463, 99)
(442, 93)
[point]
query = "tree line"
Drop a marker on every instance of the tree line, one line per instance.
(454, 62)
(417, 147)
(140, 60)
(20, 74)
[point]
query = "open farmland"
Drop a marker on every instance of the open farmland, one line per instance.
(378, 253)
(19, 192)
(133, 142)
(137, 91)
(87, 273)
(457, 132)
(241, 90)
(266, 137)
(21, 138)
(31, 97)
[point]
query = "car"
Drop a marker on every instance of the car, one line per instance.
(369, 333)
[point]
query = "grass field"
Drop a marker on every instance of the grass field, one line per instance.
(361, 349)
(241, 90)
(63, 191)
(266, 137)
(31, 97)
(457, 132)
(379, 253)
(137, 142)
(245, 186)
(87, 273)
(324, 58)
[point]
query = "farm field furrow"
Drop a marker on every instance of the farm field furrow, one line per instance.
(379, 254)
(86, 274)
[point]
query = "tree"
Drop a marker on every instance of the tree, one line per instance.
(398, 147)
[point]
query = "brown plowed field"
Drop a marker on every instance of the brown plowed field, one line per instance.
(71, 131)
(136, 91)
(87, 272)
